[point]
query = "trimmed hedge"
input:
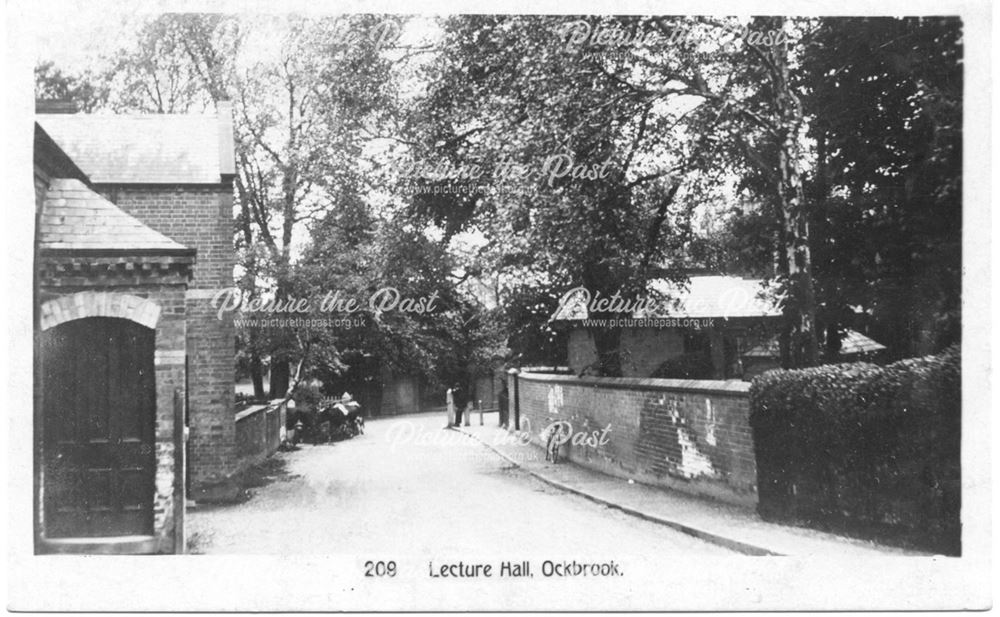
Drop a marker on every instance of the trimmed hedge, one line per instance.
(865, 449)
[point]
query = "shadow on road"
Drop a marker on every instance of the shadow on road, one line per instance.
(268, 471)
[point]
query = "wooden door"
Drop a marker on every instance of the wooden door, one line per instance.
(99, 415)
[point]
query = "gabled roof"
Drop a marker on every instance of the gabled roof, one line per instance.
(704, 296)
(52, 160)
(851, 343)
(75, 218)
(146, 149)
(719, 296)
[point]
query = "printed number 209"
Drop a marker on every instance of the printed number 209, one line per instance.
(380, 568)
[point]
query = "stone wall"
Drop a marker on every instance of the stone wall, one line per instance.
(400, 394)
(692, 436)
(259, 432)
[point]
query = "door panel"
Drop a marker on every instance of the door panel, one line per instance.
(99, 428)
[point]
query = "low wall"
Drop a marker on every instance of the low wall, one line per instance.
(687, 435)
(259, 431)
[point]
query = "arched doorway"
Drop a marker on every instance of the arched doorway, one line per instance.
(99, 428)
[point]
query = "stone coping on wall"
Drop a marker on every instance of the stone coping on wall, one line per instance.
(251, 410)
(731, 387)
(543, 369)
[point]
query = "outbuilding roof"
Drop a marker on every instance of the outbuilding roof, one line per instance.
(76, 218)
(851, 343)
(704, 296)
(147, 148)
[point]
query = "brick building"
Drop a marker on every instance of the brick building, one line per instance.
(134, 237)
(713, 317)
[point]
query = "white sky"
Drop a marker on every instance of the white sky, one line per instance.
(95, 28)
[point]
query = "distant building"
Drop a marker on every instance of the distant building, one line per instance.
(133, 238)
(854, 347)
(710, 322)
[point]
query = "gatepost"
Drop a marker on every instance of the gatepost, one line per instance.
(517, 399)
(450, 408)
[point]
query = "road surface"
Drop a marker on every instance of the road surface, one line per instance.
(409, 486)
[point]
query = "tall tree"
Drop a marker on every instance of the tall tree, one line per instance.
(780, 123)
(177, 63)
(301, 117)
(302, 120)
(671, 118)
(85, 91)
(881, 104)
(583, 151)
(884, 97)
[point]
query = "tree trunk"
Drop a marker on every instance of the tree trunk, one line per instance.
(257, 376)
(834, 316)
(607, 342)
(280, 370)
(250, 286)
(800, 306)
(607, 339)
(280, 376)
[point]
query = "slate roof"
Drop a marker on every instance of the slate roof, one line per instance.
(851, 343)
(705, 296)
(76, 218)
(146, 149)
(52, 159)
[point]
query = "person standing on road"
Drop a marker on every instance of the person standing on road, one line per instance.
(470, 404)
(503, 403)
(460, 398)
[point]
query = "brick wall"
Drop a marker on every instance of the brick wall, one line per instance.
(199, 217)
(692, 436)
